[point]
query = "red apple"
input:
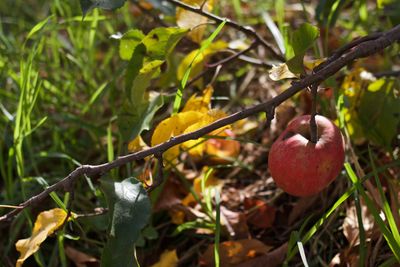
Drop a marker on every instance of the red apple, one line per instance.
(303, 168)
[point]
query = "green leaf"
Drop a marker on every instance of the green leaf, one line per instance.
(134, 67)
(129, 209)
(128, 43)
(378, 114)
(38, 27)
(300, 41)
(327, 11)
(87, 5)
(161, 41)
(137, 113)
(132, 119)
(146, 54)
(182, 85)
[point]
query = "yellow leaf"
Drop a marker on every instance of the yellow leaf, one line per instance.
(196, 147)
(281, 72)
(168, 259)
(200, 103)
(376, 85)
(136, 144)
(173, 126)
(193, 21)
(46, 223)
(312, 63)
(196, 62)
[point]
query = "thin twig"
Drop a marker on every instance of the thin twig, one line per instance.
(363, 49)
(249, 31)
(270, 116)
(344, 49)
(232, 57)
(160, 172)
(97, 212)
(390, 73)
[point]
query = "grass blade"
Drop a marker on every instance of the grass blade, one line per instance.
(394, 246)
(181, 87)
(217, 228)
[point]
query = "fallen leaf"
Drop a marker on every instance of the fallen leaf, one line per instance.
(273, 258)
(232, 253)
(46, 223)
(194, 22)
(168, 259)
(260, 214)
(81, 259)
(350, 224)
(235, 223)
(171, 195)
(300, 208)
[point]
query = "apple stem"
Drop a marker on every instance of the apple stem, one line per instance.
(313, 123)
(270, 113)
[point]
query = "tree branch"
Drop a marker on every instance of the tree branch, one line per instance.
(249, 31)
(362, 49)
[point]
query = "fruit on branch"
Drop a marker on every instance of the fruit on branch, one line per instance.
(303, 168)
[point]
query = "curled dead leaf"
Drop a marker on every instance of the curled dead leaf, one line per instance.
(281, 72)
(47, 222)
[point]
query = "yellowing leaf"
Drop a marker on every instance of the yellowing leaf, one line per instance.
(197, 61)
(376, 85)
(312, 63)
(195, 115)
(196, 147)
(200, 103)
(168, 258)
(136, 144)
(46, 223)
(193, 21)
(173, 126)
(281, 72)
